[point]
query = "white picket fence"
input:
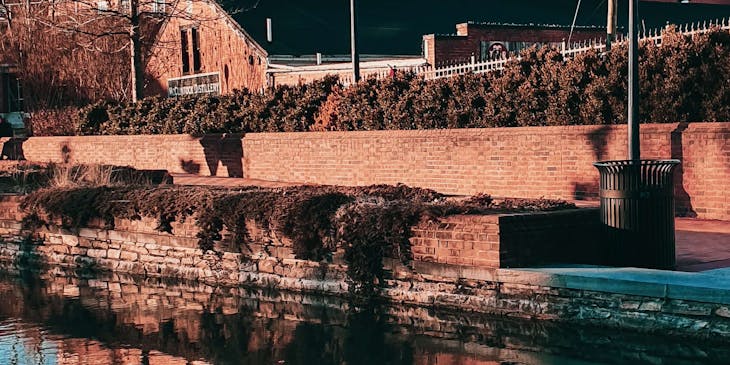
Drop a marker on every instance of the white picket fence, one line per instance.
(568, 51)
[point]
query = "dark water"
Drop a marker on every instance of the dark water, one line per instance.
(51, 319)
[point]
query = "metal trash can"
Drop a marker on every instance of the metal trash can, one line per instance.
(637, 212)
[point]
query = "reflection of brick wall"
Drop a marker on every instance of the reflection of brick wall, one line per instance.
(529, 162)
(467, 40)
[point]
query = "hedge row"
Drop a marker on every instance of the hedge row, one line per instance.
(683, 80)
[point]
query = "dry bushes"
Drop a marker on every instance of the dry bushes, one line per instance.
(369, 223)
(681, 81)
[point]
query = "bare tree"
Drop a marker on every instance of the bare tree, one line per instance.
(56, 71)
(125, 28)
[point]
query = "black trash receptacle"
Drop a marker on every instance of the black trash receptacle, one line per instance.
(637, 212)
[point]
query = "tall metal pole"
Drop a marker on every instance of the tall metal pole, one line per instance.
(634, 148)
(353, 43)
(611, 23)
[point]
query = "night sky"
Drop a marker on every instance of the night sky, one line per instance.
(396, 26)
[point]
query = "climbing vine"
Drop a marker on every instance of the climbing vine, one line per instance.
(368, 223)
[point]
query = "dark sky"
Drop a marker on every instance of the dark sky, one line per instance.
(396, 26)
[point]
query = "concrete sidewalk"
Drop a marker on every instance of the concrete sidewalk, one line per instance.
(701, 244)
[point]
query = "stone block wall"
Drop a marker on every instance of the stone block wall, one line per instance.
(430, 284)
(483, 241)
(199, 314)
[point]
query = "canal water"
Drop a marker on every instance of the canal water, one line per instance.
(65, 318)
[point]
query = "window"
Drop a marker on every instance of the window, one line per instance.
(190, 43)
(124, 6)
(185, 53)
(158, 6)
(3, 12)
(12, 88)
(189, 7)
(196, 49)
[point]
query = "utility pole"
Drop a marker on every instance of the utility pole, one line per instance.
(611, 21)
(634, 148)
(353, 43)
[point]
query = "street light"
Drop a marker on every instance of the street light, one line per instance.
(353, 43)
(637, 196)
(634, 147)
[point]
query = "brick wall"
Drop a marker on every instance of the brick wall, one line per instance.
(529, 162)
(510, 240)
(211, 155)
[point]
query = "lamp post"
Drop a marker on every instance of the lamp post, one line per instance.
(633, 122)
(353, 43)
(637, 196)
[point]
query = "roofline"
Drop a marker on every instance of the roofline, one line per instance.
(496, 25)
(345, 66)
(229, 19)
(532, 25)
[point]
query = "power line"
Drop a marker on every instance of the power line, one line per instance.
(575, 17)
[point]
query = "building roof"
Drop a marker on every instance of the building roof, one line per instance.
(396, 27)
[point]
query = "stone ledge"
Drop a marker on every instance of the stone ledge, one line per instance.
(698, 287)
(709, 287)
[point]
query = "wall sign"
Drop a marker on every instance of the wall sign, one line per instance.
(194, 85)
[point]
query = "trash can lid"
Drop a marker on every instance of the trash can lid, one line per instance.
(614, 163)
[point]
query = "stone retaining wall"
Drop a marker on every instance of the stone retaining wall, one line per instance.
(428, 284)
(199, 314)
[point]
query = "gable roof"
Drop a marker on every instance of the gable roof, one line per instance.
(396, 27)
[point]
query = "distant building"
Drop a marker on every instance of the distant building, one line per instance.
(485, 41)
(216, 46)
(206, 52)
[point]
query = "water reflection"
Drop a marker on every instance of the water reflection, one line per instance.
(51, 319)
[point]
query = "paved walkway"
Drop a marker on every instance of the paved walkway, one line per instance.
(701, 244)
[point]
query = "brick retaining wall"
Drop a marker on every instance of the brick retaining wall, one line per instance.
(529, 162)
(510, 240)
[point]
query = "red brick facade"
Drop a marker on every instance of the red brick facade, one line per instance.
(216, 44)
(530, 162)
(469, 38)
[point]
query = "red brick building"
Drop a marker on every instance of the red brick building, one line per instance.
(489, 40)
(204, 51)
